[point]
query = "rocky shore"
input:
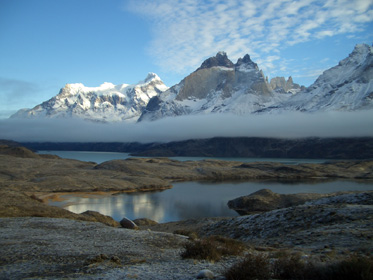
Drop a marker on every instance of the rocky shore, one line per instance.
(41, 241)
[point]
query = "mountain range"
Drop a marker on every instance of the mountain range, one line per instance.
(106, 103)
(217, 86)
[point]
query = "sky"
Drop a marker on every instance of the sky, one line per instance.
(45, 44)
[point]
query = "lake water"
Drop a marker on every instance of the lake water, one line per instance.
(192, 199)
(97, 157)
(188, 199)
(100, 157)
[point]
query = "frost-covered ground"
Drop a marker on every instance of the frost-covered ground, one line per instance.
(49, 248)
(343, 223)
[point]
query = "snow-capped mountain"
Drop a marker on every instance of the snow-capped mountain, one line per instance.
(345, 87)
(106, 103)
(218, 86)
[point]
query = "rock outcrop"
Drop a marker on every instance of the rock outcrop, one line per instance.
(280, 85)
(266, 200)
(341, 221)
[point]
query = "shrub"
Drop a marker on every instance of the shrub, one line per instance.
(293, 267)
(201, 250)
(227, 246)
(191, 234)
(251, 267)
(289, 266)
(212, 248)
(354, 267)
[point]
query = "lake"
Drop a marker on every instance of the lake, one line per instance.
(192, 199)
(188, 199)
(100, 157)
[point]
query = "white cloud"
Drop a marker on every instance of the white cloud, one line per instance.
(188, 31)
(324, 33)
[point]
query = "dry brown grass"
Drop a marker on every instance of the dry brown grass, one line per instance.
(251, 267)
(289, 266)
(212, 248)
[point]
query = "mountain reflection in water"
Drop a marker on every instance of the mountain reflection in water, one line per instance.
(189, 200)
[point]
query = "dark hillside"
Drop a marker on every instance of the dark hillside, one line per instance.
(327, 148)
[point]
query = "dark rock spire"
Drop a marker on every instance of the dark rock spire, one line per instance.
(220, 59)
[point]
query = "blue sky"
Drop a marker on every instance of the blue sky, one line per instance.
(45, 44)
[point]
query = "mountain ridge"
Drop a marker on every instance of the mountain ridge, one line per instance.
(217, 86)
(105, 103)
(347, 86)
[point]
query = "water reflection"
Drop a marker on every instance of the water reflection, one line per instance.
(192, 199)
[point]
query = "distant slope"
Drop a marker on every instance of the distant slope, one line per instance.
(325, 148)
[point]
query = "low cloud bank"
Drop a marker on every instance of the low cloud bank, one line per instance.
(287, 125)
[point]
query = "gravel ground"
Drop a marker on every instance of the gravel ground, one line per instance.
(50, 248)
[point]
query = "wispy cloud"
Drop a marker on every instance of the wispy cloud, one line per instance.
(12, 90)
(287, 125)
(188, 31)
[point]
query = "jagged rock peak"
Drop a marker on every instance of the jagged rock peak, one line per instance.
(363, 48)
(70, 89)
(246, 60)
(279, 84)
(221, 59)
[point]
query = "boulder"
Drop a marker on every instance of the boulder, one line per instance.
(98, 217)
(127, 223)
(205, 274)
(266, 200)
